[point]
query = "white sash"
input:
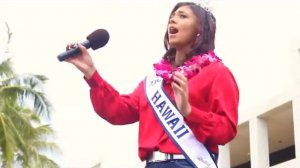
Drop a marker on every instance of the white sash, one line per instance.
(174, 125)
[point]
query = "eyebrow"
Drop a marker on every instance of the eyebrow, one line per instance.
(180, 12)
(177, 12)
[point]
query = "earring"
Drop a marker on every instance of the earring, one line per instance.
(198, 34)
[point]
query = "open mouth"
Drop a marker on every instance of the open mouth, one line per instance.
(173, 30)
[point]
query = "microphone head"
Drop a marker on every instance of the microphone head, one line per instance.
(98, 38)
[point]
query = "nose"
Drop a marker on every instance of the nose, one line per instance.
(172, 20)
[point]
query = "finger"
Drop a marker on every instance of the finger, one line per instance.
(82, 49)
(71, 45)
(177, 79)
(180, 75)
(68, 47)
(80, 46)
(176, 88)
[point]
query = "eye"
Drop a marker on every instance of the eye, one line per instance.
(182, 16)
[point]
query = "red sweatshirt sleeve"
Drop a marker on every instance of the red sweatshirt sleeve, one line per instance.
(110, 105)
(218, 124)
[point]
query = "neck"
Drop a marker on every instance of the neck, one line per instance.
(180, 57)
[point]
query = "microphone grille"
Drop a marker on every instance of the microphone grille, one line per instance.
(98, 38)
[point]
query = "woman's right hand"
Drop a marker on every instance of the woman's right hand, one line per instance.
(83, 61)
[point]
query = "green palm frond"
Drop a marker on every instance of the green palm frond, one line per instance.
(24, 118)
(7, 141)
(23, 137)
(21, 161)
(44, 161)
(30, 80)
(19, 140)
(6, 69)
(27, 97)
(36, 148)
(44, 146)
(27, 89)
(45, 129)
(7, 80)
(30, 115)
(30, 141)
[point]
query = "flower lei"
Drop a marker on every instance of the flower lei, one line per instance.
(190, 68)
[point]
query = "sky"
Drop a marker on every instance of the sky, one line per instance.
(42, 29)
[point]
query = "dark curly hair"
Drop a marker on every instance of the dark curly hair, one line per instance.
(207, 28)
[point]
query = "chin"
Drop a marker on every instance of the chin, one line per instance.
(173, 44)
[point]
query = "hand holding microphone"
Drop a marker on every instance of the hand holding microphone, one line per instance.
(78, 54)
(95, 40)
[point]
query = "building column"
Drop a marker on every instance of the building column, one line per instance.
(224, 157)
(259, 147)
(296, 121)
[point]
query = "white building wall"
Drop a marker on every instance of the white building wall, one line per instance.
(257, 41)
(296, 114)
(260, 42)
(224, 157)
(259, 143)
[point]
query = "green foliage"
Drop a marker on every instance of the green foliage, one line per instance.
(23, 138)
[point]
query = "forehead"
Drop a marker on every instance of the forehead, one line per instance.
(184, 9)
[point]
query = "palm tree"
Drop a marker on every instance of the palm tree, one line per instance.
(23, 137)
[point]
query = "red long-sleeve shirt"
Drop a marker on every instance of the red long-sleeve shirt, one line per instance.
(213, 96)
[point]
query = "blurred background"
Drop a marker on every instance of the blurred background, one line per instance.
(258, 40)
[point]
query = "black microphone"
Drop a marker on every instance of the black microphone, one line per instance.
(95, 40)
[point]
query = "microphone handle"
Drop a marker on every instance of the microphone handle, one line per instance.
(73, 51)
